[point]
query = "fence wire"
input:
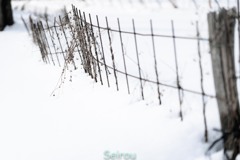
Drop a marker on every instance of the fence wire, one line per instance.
(110, 55)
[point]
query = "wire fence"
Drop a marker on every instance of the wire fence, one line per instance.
(153, 65)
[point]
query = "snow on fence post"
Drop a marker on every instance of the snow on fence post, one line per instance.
(221, 33)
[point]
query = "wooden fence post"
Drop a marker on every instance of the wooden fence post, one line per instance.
(221, 34)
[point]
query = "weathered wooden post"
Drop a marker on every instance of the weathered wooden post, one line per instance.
(221, 34)
(6, 16)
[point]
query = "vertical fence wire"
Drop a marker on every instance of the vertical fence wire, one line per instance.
(60, 44)
(73, 45)
(53, 43)
(112, 54)
(47, 44)
(78, 36)
(83, 42)
(155, 63)
(104, 60)
(37, 40)
(95, 49)
(86, 45)
(74, 31)
(180, 91)
(91, 62)
(138, 61)
(42, 43)
(64, 33)
(78, 30)
(123, 55)
(33, 29)
(202, 83)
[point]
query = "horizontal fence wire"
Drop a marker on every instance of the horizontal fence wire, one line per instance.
(139, 34)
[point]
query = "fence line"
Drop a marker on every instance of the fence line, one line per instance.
(73, 38)
(43, 48)
(120, 32)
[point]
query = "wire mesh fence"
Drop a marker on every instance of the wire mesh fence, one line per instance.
(157, 67)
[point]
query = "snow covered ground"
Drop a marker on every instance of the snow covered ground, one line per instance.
(84, 120)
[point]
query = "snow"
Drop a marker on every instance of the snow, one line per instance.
(83, 119)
